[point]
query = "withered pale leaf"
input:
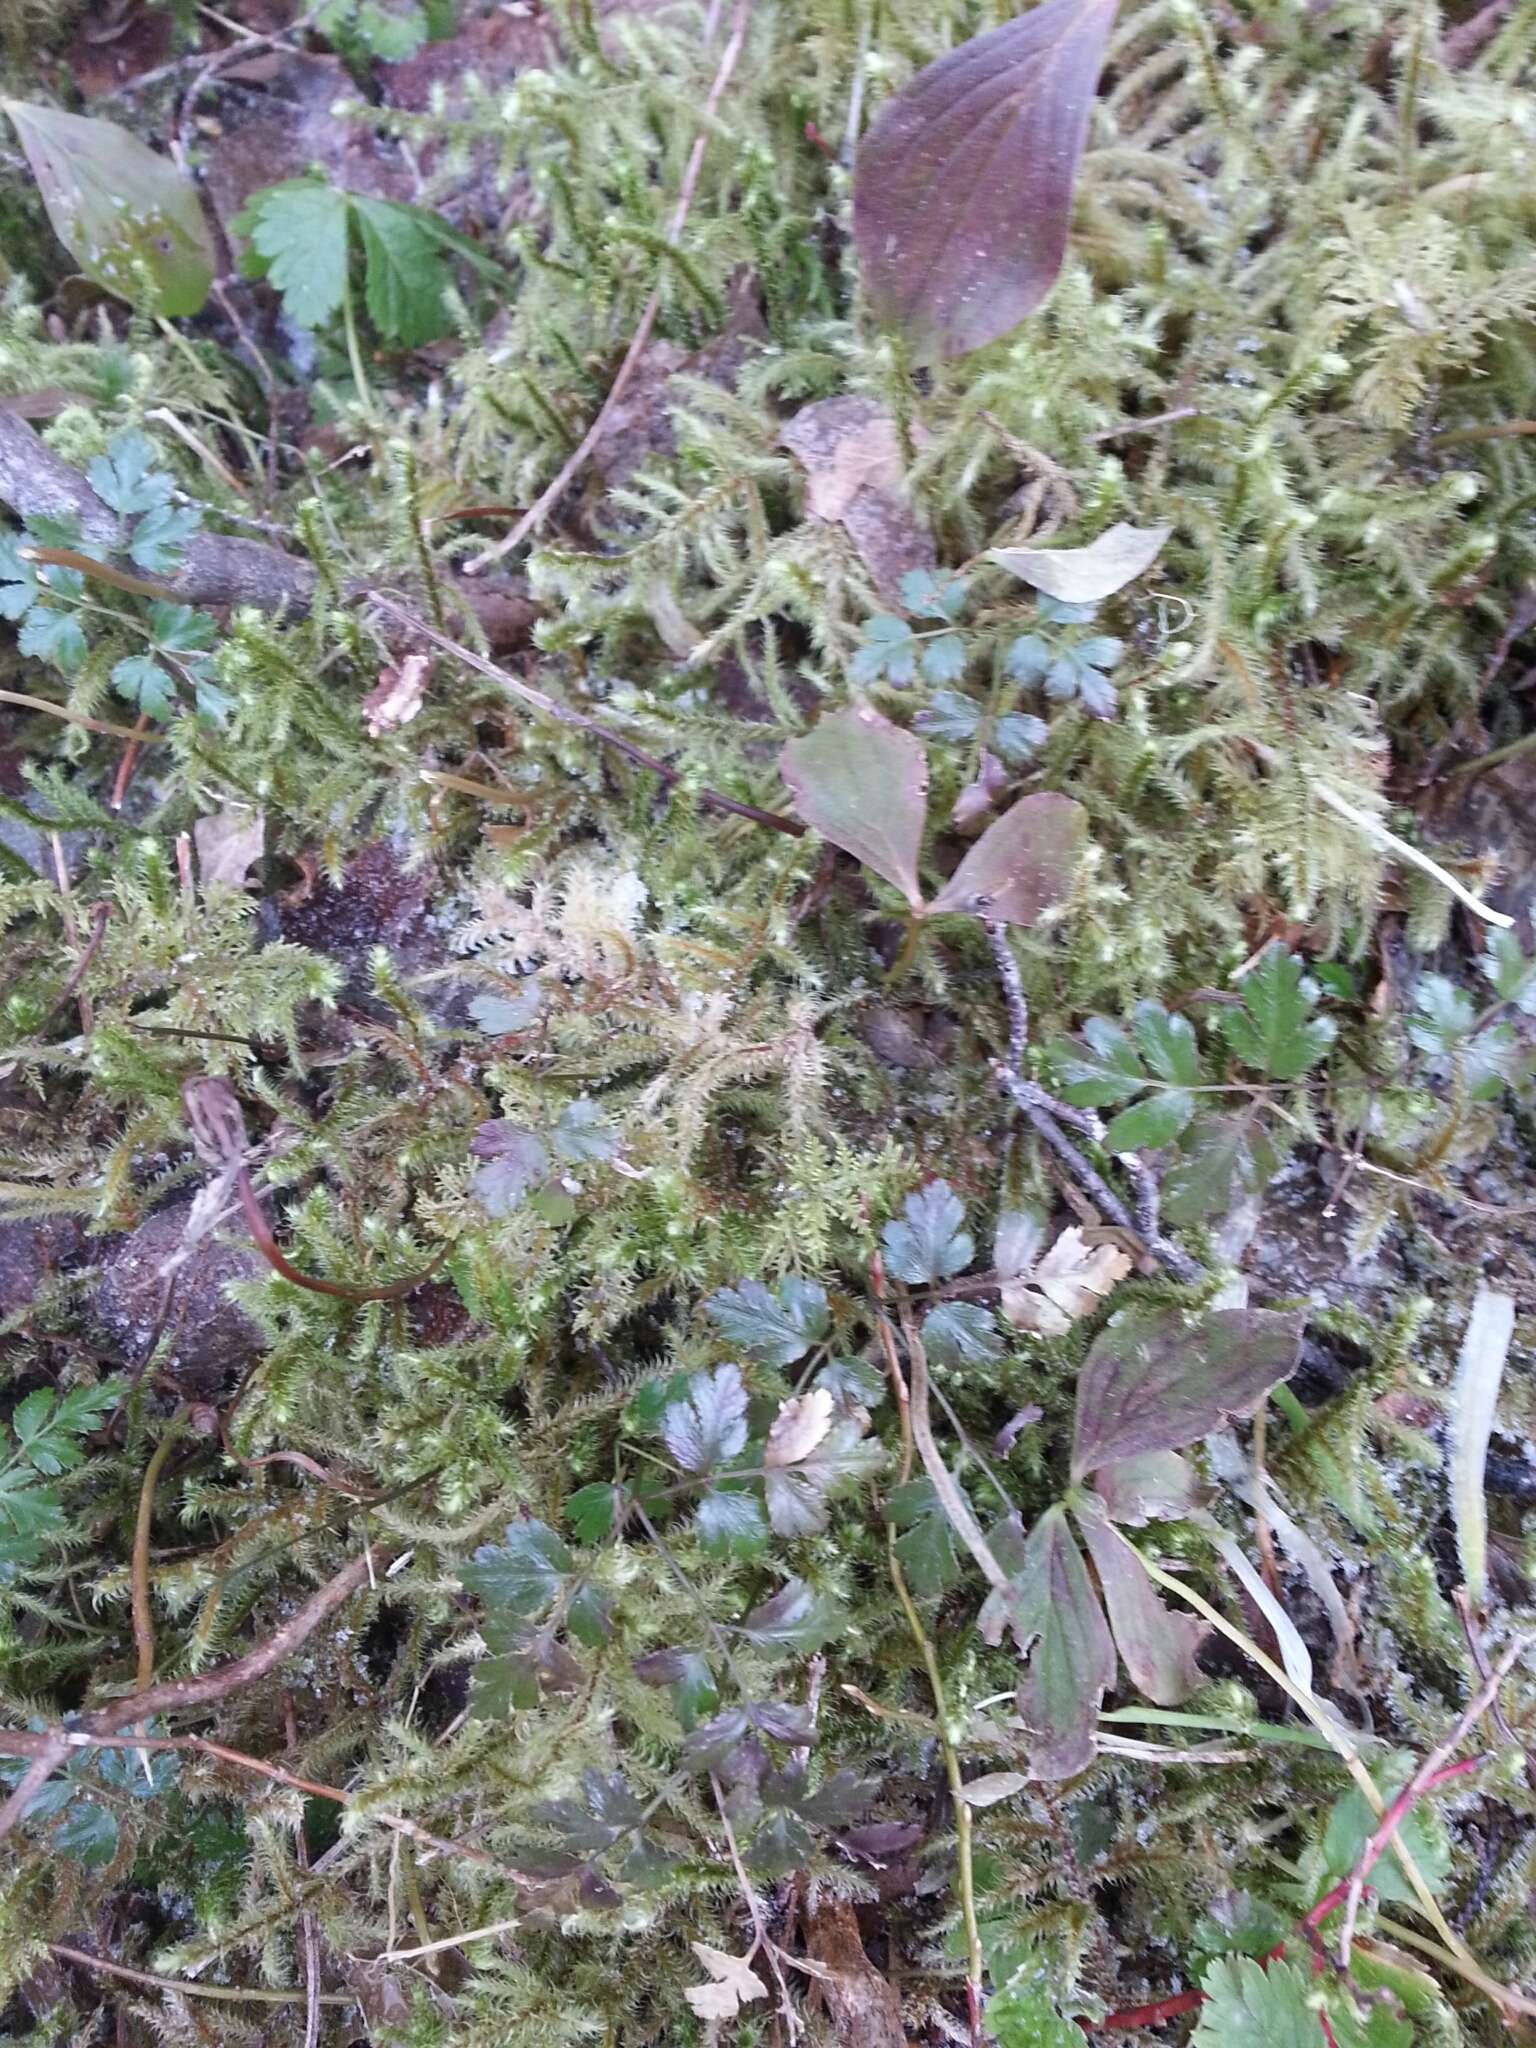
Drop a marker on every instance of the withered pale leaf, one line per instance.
(1089, 574)
(126, 215)
(1157, 1647)
(993, 1787)
(1157, 1486)
(1022, 865)
(862, 782)
(228, 841)
(734, 1984)
(396, 697)
(1153, 1382)
(1069, 1283)
(855, 477)
(799, 1427)
(962, 189)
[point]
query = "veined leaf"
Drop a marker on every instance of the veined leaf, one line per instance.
(862, 782)
(778, 1328)
(1153, 1382)
(962, 190)
(711, 1425)
(126, 215)
(1275, 1031)
(298, 233)
(1157, 1647)
(1023, 864)
(929, 1241)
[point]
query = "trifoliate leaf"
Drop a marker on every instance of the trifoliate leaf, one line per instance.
(582, 1135)
(1104, 1068)
(930, 1242)
(887, 650)
(942, 659)
(180, 629)
(593, 1510)
(1028, 659)
(1168, 1044)
(516, 1159)
(1019, 2016)
(1275, 1032)
(1018, 736)
(1510, 972)
(778, 1328)
(88, 1833)
(1222, 1160)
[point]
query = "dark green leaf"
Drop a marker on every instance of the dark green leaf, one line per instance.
(516, 1159)
(1251, 2006)
(593, 1510)
(1422, 1832)
(1154, 1382)
(694, 1692)
(777, 1328)
(88, 1833)
(795, 1619)
(524, 1572)
(926, 1546)
(129, 477)
(160, 537)
(1169, 1045)
(406, 275)
(931, 1243)
(1154, 1121)
(53, 636)
(1109, 1071)
(1222, 1160)
(1510, 971)
(145, 683)
(1276, 1032)
(949, 716)
(853, 1382)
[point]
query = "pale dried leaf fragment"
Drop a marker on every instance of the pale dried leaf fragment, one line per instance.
(993, 1788)
(855, 477)
(1024, 864)
(799, 1427)
(397, 696)
(735, 1984)
(229, 841)
(1069, 1282)
(1088, 574)
(1484, 1349)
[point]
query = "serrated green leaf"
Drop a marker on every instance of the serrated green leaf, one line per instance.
(710, 1426)
(930, 1241)
(88, 1833)
(779, 1328)
(129, 477)
(1155, 1120)
(961, 1333)
(695, 1695)
(731, 1524)
(160, 537)
(142, 681)
(949, 716)
(298, 232)
(943, 658)
(405, 276)
(1021, 2017)
(888, 649)
(1222, 1159)
(934, 593)
(1275, 1032)
(523, 1572)
(1168, 1044)
(1511, 973)
(53, 636)
(926, 1546)
(1248, 2006)
(592, 1511)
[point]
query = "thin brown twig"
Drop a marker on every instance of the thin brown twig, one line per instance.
(173, 1694)
(563, 714)
(104, 726)
(576, 461)
(183, 1986)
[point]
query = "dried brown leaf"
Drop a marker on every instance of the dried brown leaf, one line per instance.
(1022, 865)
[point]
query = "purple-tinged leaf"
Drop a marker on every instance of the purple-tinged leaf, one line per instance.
(1158, 1486)
(1156, 1646)
(1022, 865)
(962, 190)
(862, 782)
(881, 1841)
(516, 1159)
(1072, 1658)
(127, 216)
(795, 1618)
(711, 1425)
(1153, 1382)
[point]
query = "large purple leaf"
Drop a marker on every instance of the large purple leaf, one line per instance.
(962, 190)
(1022, 865)
(1072, 1661)
(1156, 1647)
(1153, 1382)
(862, 782)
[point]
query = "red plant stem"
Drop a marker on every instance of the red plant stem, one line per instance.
(1146, 2015)
(267, 1245)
